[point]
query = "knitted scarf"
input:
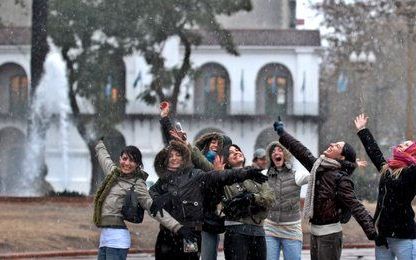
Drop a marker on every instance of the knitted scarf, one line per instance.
(323, 162)
(103, 191)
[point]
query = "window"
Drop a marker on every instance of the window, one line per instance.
(273, 90)
(18, 95)
(212, 86)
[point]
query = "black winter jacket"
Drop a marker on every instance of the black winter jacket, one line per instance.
(187, 185)
(394, 214)
(326, 209)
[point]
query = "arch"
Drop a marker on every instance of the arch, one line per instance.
(206, 131)
(212, 90)
(12, 150)
(274, 90)
(14, 90)
(265, 137)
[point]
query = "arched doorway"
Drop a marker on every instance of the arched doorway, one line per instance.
(11, 158)
(212, 90)
(14, 90)
(274, 90)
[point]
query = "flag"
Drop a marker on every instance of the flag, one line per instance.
(138, 79)
(107, 90)
(242, 81)
(342, 82)
(304, 81)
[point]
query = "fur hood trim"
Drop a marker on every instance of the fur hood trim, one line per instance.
(161, 159)
(203, 142)
(287, 156)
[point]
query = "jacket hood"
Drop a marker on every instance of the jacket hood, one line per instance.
(203, 142)
(161, 159)
(287, 156)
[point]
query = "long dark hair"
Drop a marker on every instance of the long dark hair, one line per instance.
(134, 154)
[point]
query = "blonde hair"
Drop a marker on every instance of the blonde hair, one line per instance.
(395, 173)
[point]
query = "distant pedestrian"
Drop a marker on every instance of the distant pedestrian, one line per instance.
(259, 159)
(394, 216)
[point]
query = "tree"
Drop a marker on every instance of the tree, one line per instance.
(92, 34)
(376, 90)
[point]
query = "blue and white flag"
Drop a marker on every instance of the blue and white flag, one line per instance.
(342, 82)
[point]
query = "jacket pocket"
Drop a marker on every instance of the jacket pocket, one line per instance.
(190, 210)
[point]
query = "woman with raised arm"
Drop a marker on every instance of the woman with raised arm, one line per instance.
(115, 238)
(183, 188)
(394, 216)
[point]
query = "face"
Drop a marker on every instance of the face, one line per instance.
(261, 162)
(213, 145)
(403, 146)
(175, 160)
(278, 156)
(236, 157)
(127, 165)
(334, 150)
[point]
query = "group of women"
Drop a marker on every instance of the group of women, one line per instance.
(205, 189)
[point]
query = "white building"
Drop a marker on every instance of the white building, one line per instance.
(277, 73)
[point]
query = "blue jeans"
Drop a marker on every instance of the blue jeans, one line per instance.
(403, 249)
(109, 253)
(209, 246)
(292, 249)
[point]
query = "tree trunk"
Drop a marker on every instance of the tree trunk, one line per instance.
(39, 50)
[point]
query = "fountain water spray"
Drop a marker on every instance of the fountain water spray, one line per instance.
(51, 98)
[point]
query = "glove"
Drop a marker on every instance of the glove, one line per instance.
(187, 233)
(279, 126)
(158, 204)
(381, 241)
(256, 175)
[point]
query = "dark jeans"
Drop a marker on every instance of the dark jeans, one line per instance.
(170, 246)
(244, 247)
(327, 247)
(109, 253)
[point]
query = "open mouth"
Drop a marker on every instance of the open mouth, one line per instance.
(278, 158)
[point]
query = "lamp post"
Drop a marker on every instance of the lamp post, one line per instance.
(407, 9)
(362, 62)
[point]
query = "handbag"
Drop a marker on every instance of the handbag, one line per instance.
(131, 209)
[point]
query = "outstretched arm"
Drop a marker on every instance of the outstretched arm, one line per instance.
(228, 177)
(294, 146)
(104, 158)
(369, 142)
(349, 200)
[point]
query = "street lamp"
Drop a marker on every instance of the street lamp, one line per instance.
(407, 9)
(362, 62)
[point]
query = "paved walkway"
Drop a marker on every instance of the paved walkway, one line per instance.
(347, 254)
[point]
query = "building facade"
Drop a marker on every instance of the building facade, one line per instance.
(277, 73)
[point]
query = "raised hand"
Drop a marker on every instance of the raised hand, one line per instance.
(178, 135)
(361, 121)
(164, 109)
(361, 163)
(218, 163)
(279, 126)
